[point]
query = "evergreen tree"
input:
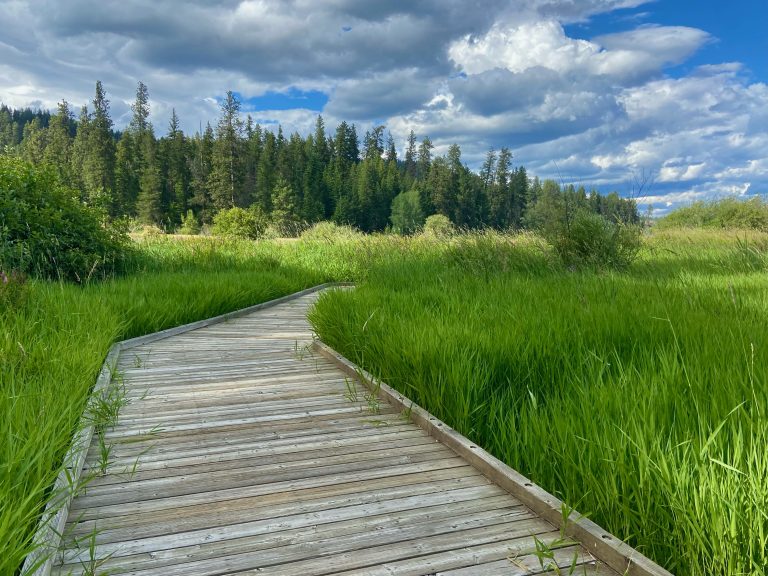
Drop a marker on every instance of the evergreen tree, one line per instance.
(177, 173)
(227, 174)
(58, 152)
(98, 167)
(499, 204)
(265, 173)
(80, 150)
(127, 175)
(33, 142)
(149, 203)
(410, 156)
(140, 107)
(285, 212)
(200, 169)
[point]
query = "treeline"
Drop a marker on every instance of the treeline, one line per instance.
(294, 180)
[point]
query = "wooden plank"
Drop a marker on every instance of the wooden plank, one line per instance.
(615, 553)
(163, 488)
(156, 459)
(266, 526)
(197, 559)
(159, 443)
(316, 482)
(562, 558)
(345, 539)
(418, 556)
(212, 517)
(309, 458)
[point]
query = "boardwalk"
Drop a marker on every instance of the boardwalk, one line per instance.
(241, 450)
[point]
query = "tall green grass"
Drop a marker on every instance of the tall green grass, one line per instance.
(640, 398)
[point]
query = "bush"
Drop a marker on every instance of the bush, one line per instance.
(439, 225)
(592, 240)
(407, 217)
(240, 223)
(189, 224)
(728, 213)
(46, 231)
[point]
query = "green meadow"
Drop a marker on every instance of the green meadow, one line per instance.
(639, 396)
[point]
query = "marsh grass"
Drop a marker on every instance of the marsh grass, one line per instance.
(640, 397)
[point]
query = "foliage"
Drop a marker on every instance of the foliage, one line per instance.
(189, 224)
(240, 223)
(407, 217)
(45, 230)
(617, 392)
(439, 226)
(296, 181)
(591, 240)
(14, 290)
(728, 213)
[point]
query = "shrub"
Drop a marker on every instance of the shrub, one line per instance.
(189, 224)
(407, 217)
(592, 240)
(439, 225)
(47, 232)
(729, 213)
(240, 223)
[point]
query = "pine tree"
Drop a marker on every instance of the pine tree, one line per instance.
(58, 152)
(202, 152)
(34, 141)
(80, 150)
(126, 176)
(227, 174)
(149, 204)
(265, 173)
(99, 157)
(410, 156)
(177, 175)
(285, 212)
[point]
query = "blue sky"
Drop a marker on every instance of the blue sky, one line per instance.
(738, 29)
(604, 93)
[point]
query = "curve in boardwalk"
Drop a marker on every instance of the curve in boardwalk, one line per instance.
(244, 449)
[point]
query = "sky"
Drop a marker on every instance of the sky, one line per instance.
(665, 101)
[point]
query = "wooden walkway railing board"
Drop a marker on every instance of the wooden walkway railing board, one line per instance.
(242, 450)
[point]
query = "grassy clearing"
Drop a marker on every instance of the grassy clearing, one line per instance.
(640, 398)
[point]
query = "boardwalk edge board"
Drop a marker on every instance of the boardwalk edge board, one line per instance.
(47, 537)
(600, 543)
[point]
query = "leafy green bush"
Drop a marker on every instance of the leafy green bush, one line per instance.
(240, 223)
(407, 217)
(47, 232)
(592, 240)
(439, 225)
(729, 213)
(189, 224)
